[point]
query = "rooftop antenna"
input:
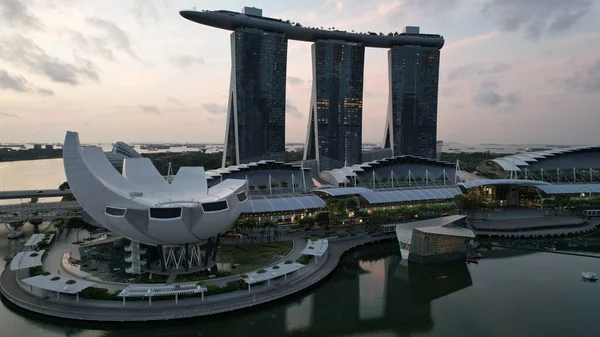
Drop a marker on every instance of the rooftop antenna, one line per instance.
(456, 171)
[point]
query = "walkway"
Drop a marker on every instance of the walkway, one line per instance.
(57, 261)
(114, 311)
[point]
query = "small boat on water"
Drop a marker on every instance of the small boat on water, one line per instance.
(588, 275)
(471, 260)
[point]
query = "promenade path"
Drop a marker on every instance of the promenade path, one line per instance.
(114, 311)
(55, 262)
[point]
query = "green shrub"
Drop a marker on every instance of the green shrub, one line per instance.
(71, 282)
(275, 267)
(304, 259)
(99, 294)
(34, 254)
(213, 289)
(262, 271)
(35, 271)
(311, 247)
(201, 283)
(243, 276)
(55, 278)
(288, 262)
(78, 243)
(45, 273)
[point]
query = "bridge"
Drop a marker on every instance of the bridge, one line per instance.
(28, 194)
(45, 211)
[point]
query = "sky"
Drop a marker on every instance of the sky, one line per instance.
(511, 71)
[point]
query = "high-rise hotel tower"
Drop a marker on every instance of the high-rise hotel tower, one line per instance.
(256, 115)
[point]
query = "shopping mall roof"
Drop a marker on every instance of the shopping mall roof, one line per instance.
(492, 182)
(340, 175)
(392, 196)
(283, 204)
(517, 162)
(569, 188)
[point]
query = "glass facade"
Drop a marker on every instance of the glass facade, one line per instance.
(335, 124)
(412, 111)
(256, 113)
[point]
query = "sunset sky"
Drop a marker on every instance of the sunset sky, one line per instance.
(512, 71)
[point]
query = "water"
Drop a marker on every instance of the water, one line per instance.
(373, 293)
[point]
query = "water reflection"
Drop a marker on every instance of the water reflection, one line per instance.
(371, 293)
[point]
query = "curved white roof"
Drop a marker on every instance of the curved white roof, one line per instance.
(512, 162)
(525, 157)
(516, 161)
(142, 206)
(506, 164)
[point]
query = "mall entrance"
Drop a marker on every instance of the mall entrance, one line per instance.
(509, 195)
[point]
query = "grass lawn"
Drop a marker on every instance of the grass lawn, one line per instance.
(253, 256)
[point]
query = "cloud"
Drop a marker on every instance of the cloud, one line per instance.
(214, 108)
(92, 44)
(392, 10)
(536, 18)
(470, 40)
(174, 100)
(185, 61)
(488, 96)
(113, 33)
(44, 92)
(20, 84)
(295, 81)
(16, 13)
(15, 83)
(586, 79)
(292, 110)
(150, 109)
(465, 71)
(147, 9)
(7, 115)
(23, 52)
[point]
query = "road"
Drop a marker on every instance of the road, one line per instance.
(34, 194)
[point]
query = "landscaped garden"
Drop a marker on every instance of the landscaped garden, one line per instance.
(248, 257)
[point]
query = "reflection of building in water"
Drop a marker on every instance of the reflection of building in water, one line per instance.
(365, 297)
(430, 282)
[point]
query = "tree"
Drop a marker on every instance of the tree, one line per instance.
(284, 184)
(79, 224)
(262, 187)
(467, 204)
(351, 204)
(562, 200)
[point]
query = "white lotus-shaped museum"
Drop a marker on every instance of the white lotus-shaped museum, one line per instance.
(142, 206)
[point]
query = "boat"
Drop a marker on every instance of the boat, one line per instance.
(588, 275)
(471, 260)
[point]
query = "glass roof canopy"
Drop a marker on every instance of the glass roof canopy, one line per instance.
(570, 188)
(283, 204)
(382, 197)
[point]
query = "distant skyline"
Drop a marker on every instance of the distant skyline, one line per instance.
(512, 71)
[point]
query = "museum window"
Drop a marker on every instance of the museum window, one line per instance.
(214, 206)
(165, 213)
(115, 211)
(242, 196)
